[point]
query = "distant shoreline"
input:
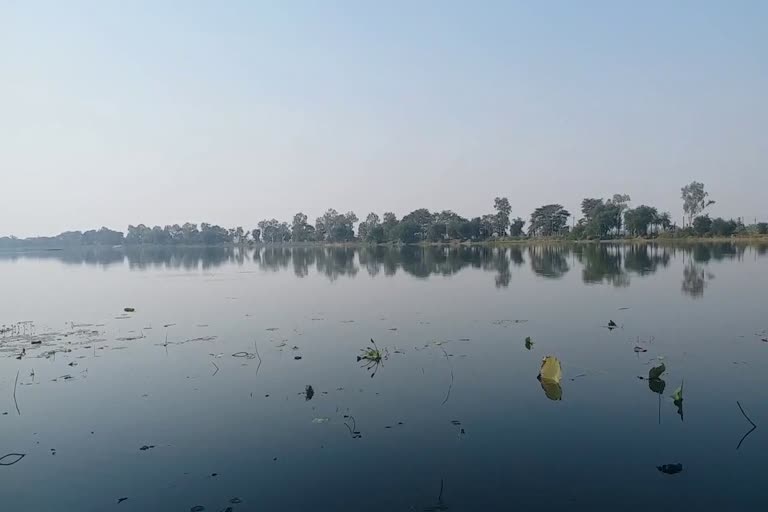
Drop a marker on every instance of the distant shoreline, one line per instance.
(357, 244)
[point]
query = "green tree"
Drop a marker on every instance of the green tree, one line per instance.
(300, 230)
(694, 200)
(503, 210)
(516, 227)
(548, 220)
(639, 220)
(702, 225)
(389, 223)
(422, 218)
(409, 231)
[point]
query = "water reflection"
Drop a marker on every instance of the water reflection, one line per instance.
(611, 264)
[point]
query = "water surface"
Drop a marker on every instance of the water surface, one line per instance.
(238, 375)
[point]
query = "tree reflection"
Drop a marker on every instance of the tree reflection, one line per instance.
(549, 260)
(601, 263)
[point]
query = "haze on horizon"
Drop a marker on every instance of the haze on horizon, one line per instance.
(233, 112)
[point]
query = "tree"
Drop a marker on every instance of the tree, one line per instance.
(366, 227)
(437, 232)
(694, 200)
(503, 210)
(664, 220)
(389, 223)
(722, 227)
(256, 235)
(762, 228)
(702, 225)
(335, 227)
(548, 220)
(409, 231)
(423, 219)
(516, 227)
(638, 220)
(300, 230)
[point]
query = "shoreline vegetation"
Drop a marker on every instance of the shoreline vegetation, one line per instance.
(602, 220)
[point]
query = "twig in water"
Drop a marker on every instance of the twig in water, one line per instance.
(754, 427)
(450, 386)
(217, 368)
(257, 355)
(14, 393)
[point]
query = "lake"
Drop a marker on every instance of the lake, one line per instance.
(235, 382)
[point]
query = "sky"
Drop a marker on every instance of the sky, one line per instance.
(160, 112)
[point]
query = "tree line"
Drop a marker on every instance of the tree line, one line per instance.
(601, 219)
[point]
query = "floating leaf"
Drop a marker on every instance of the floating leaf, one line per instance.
(657, 385)
(550, 369)
(550, 375)
(552, 389)
(656, 371)
(670, 469)
(528, 343)
(677, 398)
(11, 459)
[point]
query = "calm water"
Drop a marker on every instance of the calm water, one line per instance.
(453, 419)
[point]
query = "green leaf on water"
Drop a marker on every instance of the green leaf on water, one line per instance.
(677, 396)
(528, 343)
(657, 385)
(656, 371)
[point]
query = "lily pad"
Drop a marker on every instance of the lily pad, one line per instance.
(656, 371)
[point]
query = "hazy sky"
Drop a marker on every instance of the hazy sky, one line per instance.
(229, 112)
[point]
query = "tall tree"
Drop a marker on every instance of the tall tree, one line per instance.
(300, 230)
(503, 210)
(548, 220)
(638, 220)
(694, 200)
(423, 219)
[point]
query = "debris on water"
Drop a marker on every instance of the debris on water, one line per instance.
(235, 501)
(309, 392)
(168, 325)
(611, 323)
(640, 349)
(214, 475)
(247, 355)
(197, 508)
(129, 310)
(146, 447)
(37, 342)
(11, 459)
(320, 420)
(455, 423)
(670, 469)
(297, 357)
(120, 500)
(623, 309)
(528, 343)
(272, 328)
